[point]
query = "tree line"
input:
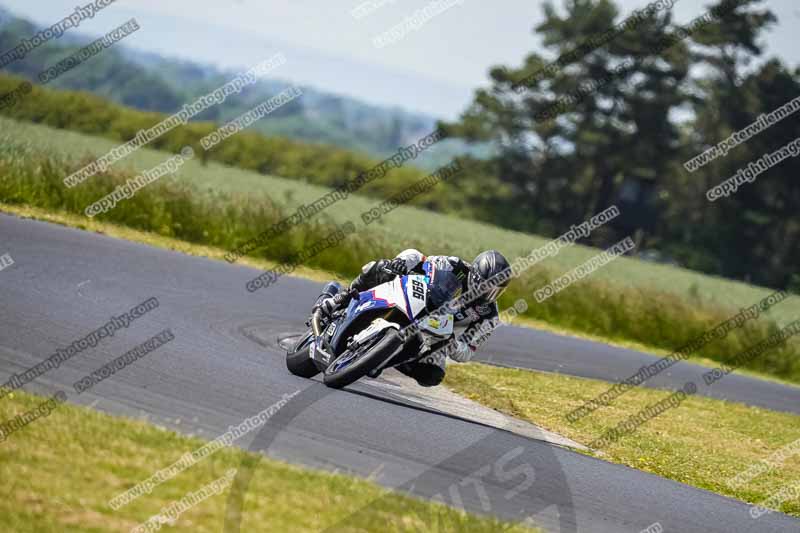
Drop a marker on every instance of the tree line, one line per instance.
(626, 134)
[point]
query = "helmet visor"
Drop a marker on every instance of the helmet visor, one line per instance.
(493, 294)
(487, 290)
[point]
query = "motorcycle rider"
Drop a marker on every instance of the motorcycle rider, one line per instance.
(472, 315)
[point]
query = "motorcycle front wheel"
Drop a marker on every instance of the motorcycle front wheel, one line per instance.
(354, 365)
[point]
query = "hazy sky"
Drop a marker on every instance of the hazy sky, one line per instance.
(432, 69)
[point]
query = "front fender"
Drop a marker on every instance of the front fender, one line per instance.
(375, 328)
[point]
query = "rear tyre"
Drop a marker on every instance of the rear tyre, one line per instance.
(298, 360)
(363, 363)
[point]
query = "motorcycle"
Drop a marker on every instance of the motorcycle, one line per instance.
(373, 332)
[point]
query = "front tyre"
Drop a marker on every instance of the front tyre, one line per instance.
(298, 361)
(350, 367)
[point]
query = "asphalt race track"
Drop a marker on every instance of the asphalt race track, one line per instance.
(66, 283)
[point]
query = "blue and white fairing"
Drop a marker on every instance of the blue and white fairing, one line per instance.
(413, 295)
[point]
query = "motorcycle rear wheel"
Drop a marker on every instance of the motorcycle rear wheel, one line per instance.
(298, 360)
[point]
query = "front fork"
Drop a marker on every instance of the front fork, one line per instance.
(331, 289)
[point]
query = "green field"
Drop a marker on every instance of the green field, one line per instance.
(61, 471)
(409, 225)
(628, 300)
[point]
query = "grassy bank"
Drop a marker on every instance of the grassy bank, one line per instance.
(701, 442)
(61, 471)
(221, 207)
(406, 224)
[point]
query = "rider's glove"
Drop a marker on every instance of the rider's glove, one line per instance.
(396, 266)
(329, 305)
(461, 352)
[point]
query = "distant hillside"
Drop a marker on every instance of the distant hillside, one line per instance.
(152, 83)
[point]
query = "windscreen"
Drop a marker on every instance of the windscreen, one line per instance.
(443, 286)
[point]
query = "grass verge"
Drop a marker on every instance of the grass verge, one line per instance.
(60, 471)
(702, 442)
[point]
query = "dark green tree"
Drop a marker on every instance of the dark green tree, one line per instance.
(573, 135)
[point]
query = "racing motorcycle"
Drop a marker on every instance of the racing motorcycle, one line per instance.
(374, 331)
